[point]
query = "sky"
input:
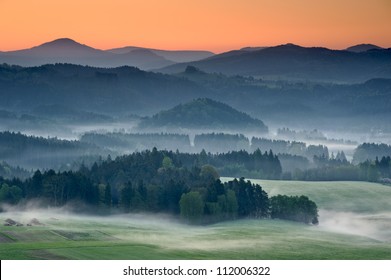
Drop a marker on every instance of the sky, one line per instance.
(215, 25)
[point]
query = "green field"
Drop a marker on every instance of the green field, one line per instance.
(355, 223)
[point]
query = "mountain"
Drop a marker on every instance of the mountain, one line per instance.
(127, 90)
(100, 90)
(66, 50)
(363, 48)
(57, 51)
(204, 113)
(60, 48)
(294, 62)
(174, 56)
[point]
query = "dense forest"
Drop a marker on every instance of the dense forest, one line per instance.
(338, 169)
(9, 172)
(232, 156)
(157, 181)
(185, 184)
(210, 142)
(221, 142)
(34, 152)
(371, 151)
(128, 142)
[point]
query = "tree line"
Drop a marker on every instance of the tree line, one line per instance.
(333, 169)
(211, 142)
(156, 181)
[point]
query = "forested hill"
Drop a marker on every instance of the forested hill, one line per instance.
(204, 113)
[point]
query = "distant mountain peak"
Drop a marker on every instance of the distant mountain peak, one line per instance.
(63, 43)
(363, 48)
(59, 50)
(288, 45)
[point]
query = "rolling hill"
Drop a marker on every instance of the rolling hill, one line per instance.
(294, 62)
(204, 113)
(100, 90)
(66, 50)
(363, 48)
(174, 56)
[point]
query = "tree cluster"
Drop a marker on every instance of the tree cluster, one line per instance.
(370, 151)
(38, 152)
(289, 147)
(341, 170)
(151, 181)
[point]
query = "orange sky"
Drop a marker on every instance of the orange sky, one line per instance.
(216, 25)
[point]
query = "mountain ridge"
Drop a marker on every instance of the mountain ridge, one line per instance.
(66, 50)
(293, 62)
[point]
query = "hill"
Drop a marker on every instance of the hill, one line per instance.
(128, 90)
(99, 90)
(204, 113)
(363, 48)
(174, 56)
(63, 47)
(297, 63)
(66, 50)
(69, 51)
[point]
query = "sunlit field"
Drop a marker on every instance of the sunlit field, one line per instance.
(355, 223)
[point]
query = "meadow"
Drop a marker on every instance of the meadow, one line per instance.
(355, 223)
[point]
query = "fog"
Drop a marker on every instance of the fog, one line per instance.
(155, 229)
(375, 226)
(169, 232)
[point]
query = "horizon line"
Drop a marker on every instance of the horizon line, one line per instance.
(191, 49)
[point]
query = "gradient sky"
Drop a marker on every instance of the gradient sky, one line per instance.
(216, 25)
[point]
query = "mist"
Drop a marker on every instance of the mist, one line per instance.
(166, 236)
(375, 226)
(300, 125)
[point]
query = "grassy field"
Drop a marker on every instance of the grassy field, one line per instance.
(359, 197)
(355, 223)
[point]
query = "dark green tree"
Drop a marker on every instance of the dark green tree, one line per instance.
(191, 207)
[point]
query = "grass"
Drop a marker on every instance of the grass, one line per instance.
(359, 197)
(365, 234)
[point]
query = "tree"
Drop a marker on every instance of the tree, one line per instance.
(107, 197)
(209, 172)
(232, 205)
(35, 186)
(167, 163)
(10, 195)
(295, 208)
(191, 206)
(126, 196)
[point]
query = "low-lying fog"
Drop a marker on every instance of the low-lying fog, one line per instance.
(375, 226)
(170, 232)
